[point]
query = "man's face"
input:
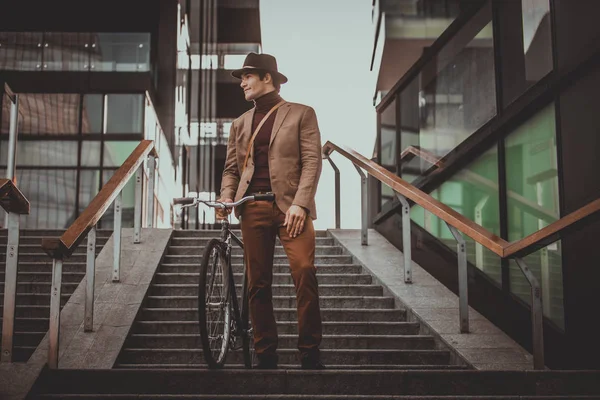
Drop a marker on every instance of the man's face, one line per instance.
(254, 87)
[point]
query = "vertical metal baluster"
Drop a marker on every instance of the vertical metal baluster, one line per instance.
(406, 242)
(54, 325)
(463, 286)
(10, 287)
(537, 316)
(364, 205)
(137, 218)
(337, 194)
(11, 162)
(117, 235)
(91, 280)
(151, 180)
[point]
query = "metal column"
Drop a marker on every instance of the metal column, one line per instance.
(463, 286)
(91, 280)
(117, 237)
(406, 242)
(364, 205)
(151, 179)
(10, 287)
(137, 217)
(537, 317)
(54, 325)
(337, 194)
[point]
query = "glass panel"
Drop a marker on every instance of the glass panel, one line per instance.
(51, 194)
(49, 113)
(234, 61)
(125, 52)
(124, 113)
(21, 51)
(107, 221)
(453, 96)
(90, 154)
(6, 106)
(7, 50)
(473, 192)
(115, 153)
(537, 39)
(43, 153)
(387, 194)
(89, 183)
(388, 137)
(533, 202)
(66, 51)
(91, 121)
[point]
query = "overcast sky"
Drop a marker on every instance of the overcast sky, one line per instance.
(324, 48)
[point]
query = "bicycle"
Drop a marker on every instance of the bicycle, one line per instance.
(221, 321)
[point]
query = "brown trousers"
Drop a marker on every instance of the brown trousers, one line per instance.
(261, 222)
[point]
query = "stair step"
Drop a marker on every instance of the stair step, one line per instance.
(37, 240)
(236, 251)
(29, 339)
(301, 397)
(52, 232)
(37, 249)
(290, 327)
(216, 233)
(375, 302)
(202, 242)
(278, 290)
(45, 276)
(277, 268)
(41, 287)
(37, 257)
(278, 278)
(387, 342)
(237, 259)
(31, 324)
(290, 356)
(38, 299)
(30, 311)
(46, 266)
(281, 314)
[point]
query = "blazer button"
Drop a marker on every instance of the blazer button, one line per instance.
(248, 182)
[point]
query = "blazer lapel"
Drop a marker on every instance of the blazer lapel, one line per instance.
(279, 117)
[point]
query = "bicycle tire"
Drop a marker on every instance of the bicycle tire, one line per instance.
(247, 340)
(214, 315)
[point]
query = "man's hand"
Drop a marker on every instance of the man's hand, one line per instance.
(222, 213)
(294, 220)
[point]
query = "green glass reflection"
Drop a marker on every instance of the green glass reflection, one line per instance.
(115, 153)
(128, 204)
(388, 136)
(473, 192)
(533, 203)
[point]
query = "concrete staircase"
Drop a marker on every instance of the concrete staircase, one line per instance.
(362, 328)
(34, 279)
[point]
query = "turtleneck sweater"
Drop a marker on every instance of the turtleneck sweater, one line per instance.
(261, 181)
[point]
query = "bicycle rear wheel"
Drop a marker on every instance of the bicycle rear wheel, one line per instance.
(214, 307)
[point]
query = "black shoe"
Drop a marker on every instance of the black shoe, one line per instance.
(311, 363)
(267, 362)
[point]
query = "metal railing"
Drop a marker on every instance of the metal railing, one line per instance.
(457, 223)
(61, 248)
(15, 204)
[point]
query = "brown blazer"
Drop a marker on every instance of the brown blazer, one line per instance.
(294, 158)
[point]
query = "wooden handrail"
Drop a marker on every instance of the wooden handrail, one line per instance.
(476, 232)
(64, 246)
(12, 199)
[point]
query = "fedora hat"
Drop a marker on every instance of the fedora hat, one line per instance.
(265, 62)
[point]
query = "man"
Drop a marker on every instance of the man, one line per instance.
(276, 147)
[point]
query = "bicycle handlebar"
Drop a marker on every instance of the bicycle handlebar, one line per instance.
(191, 201)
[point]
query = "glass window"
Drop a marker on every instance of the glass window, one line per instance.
(91, 121)
(107, 221)
(89, 183)
(234, 61)
(21, 51)
(49, 113)
(51, 194)
(115, 153)
(124, 113)
(388, 137)
(124, 52)
(5, 117)
(537, 39)
(43, 153)
(453, 96)
(533, 203)
(90, 153)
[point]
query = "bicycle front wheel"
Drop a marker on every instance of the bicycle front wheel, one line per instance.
(214, 307)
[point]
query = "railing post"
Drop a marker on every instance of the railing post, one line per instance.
(151, 179)
(117, 237)
(10, 286)
(337, 193)
(54, 325)
(463, 286)
(137, 217)
(537, 316)
(364, 205)
(91, 280)
(406, 242)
